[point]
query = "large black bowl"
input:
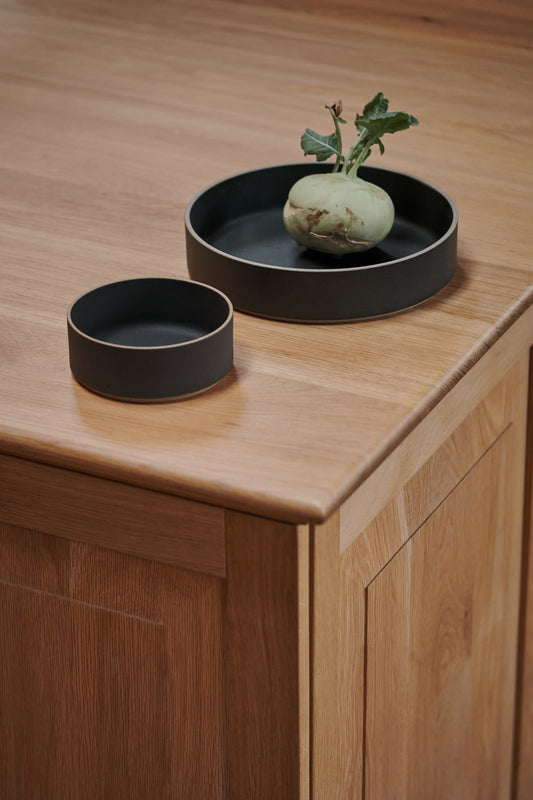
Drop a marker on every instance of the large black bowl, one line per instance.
(237, 242)
(150, 339)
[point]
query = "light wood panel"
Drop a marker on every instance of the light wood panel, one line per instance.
(264, 713)
(523, 778)
(326, 651)
(524, 729)
(304, 660)
(466, 497)
(441, 647)
(113, 685)
(338, 668)
(110, 514)
(412, 504)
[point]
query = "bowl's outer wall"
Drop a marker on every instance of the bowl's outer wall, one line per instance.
(151, 373)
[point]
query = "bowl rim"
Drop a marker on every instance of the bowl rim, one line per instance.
(146, 348)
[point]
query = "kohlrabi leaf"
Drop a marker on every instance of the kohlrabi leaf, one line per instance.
(372, 124)
(375, 121)
(323, 147)
(378, 105)
(382, 123)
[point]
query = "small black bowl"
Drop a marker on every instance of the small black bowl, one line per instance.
(148, 340)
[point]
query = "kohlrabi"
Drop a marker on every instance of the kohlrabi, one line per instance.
(337, 212)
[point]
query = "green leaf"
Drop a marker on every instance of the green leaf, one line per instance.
(323, 147)
(388, 122)
(372, 124)
(378, 105)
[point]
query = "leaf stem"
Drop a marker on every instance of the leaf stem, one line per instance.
(355, 149)
(354, 166)
(339, 159)
(358, 153)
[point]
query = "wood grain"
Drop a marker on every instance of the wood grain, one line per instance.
(485, 383)
(113, 685)
(441, 647)
(217, 673)
(70, 668)
(114, 116)
(469, 494)
(304, 658)
(494, 20)
(429, 486)
(326, 649)
(104, 143)
(110, 514)
(523, 777)
(262, 616)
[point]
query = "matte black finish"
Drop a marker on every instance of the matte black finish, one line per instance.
(150, 339)
(237, 242)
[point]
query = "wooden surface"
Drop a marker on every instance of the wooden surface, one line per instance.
(498, 21)
(441, 647)
(415, 624)
(113, 686)
(523, 784)
(135, 521)
(114, 115)
(329, 760)
(264, 620)
(123, 677)
(373, 544)
(490, 380)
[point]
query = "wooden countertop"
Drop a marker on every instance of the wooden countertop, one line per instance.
(114, 115)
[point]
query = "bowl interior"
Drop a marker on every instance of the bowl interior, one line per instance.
(150, 312)
(242, 217)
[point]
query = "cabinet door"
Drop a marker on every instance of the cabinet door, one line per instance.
(441, 636)
(122, 678)
(110, 675)
(415, 623)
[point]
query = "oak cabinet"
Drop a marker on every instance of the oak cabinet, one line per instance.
(110, 674)
(419, 698)
(441, 634)
(359, 658)
(313, 580)
(129, 678)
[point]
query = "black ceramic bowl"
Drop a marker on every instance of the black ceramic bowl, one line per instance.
(150, 339)
(237, 242)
